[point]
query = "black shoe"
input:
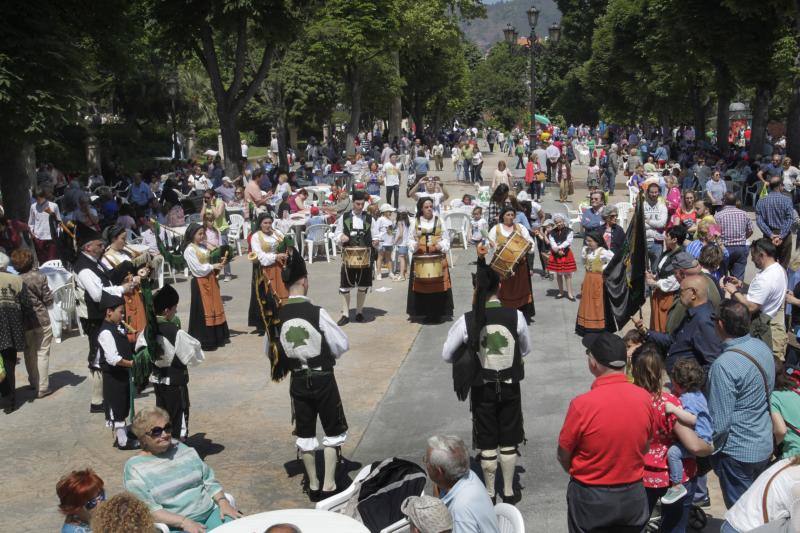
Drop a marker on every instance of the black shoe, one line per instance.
(314, 496)
(513, 499)
(132, 444)
(359, 317)
(705, 503)
(96, 408)
(325, 494)
(342, 321)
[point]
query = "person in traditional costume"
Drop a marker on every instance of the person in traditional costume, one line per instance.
(177, 351)
(118, 262)
(92, 281)
(431, 298)
(663, 283)
(516, 291)
(486, 346)
(592, 309)
(309, 344)
(207, 322)
(562, 262)
(354, 229)
(267, 282)
(115, 357)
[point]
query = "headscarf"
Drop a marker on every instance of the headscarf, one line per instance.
(191, 231)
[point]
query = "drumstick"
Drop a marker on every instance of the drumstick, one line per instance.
(66, 229)
(225, 257)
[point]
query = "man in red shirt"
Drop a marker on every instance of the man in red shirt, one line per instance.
(603, 442)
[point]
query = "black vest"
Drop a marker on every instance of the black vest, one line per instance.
(502, 316)
(177, 372)
(93, 311)
(123, 349)
(307, 312)
(668, 269)
(363, 237)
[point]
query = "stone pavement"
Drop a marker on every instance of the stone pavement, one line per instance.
(395, 389)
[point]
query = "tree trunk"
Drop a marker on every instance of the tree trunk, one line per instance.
(355, 109)
(293, 133)
(418, 123)
(698, 109)
(723, 82)
(793, 120)
(397, 104)
(231, 142)
(18, 178)
(283, 140)
(760, 116)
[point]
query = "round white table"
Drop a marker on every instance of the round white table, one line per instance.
(308, 520)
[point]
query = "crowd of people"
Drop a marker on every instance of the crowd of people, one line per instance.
(710, 383)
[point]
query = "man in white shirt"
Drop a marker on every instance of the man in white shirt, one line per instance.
(386, 153)
(541, 157)
(438, 155)
(553, 153)
(245, 149)
(273, 146)
(391, 180)
(765, 296)
(43, 219)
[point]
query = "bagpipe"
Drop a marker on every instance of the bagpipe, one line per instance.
(173, 255)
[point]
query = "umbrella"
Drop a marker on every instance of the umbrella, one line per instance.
(541, 119)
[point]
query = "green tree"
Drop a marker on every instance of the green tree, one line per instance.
(499, 84)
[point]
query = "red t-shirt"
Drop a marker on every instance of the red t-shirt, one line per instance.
(656, 473)
(606, 430)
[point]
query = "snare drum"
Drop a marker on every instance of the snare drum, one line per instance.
(356, 256)
(506, 258)
(428, 266)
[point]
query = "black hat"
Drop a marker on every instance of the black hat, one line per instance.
(608, 349)
(120, 272)
(485, 281)
(164, 299)
(84, 234)
(109, 301)
(295, 268)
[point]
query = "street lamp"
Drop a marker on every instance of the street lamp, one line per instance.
(508, 34)
(172, 90)
(555, 32)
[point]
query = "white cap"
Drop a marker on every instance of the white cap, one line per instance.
(522, 196)
(387, 207)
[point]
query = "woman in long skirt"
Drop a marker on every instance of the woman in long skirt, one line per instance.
(267, 266)
(562, 262)
(207, 322)
(431, 298)
(515, 291)
(118, 261)
(592, 309)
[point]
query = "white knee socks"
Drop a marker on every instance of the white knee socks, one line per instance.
(331, 456)
(489, 467)
(346, 304)
(360, 297)
(508, 461)
(310, 464)
(121, 435)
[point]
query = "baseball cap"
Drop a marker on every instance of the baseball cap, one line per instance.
(387, 207)
(684, 260)
(428, 514)
(608, 349)
(314, 210)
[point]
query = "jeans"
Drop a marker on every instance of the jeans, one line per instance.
(737, 261)
(675, 517)
(611, 181)
(735, 477)
(727, 528)
(654, 251)
(393, 190)
(702, 489)
(536, 189)
(520, 163)
(467, 170)
(476, 173)
(675, 455)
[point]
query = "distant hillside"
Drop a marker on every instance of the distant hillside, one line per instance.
(486, 32)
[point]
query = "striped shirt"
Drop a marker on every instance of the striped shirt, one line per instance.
(738, 403)
(734, 225)
(177, 481)
(775, 215)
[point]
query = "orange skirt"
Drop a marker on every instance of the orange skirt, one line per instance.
(134, 313)
(660, 304)
(515, 291)
(273, 274)
(213, 312)
(591, 310)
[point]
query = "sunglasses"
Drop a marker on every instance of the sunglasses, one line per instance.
(157, 431)
(94, 502)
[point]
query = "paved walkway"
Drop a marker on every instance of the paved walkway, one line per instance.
(395, 388)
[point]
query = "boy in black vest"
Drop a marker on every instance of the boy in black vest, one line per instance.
(486, 347)
(310, 343)
(355, 228)
(177, 350)
(116, 358)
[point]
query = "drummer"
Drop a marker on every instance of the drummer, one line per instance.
(118, 261)
(515, 291)
(429, 298)
(354, 229)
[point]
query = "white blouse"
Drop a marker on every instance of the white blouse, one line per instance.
(427, 225)
(260, 241)
(506, 232)
(197, 261)
(590, 255)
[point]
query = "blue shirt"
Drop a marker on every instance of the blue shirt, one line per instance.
(775, 214)
(420, 165)
(470, 506)
(695, 337)
(75, 528)
(140, 194)
(695, 403)
(592, 220)
(738, 402)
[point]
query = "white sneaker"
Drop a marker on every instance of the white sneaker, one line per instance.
(674, 494)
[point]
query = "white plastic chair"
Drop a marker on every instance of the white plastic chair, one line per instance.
(509, 519)
(623, 210)
(332, 239)
(457, 223)
(574, 217)
(633, 194)
(64, 299)
(753, 192)
(234, 231)
(316, 235)
(338, 501)
(53, 263)
(194, 217)
(401, 526)
(163, 528)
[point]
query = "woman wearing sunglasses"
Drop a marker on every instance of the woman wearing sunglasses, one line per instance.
(178, 487)
(79, 493)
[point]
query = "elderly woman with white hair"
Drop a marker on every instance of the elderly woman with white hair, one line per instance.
(447, 464)
(14, 305)
(613, 234)
(176, 484)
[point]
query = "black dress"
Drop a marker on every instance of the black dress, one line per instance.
(116, 379)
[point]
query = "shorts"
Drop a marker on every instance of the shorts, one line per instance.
(496, 421)
(387, 249)
(316, 395)
(402, 250)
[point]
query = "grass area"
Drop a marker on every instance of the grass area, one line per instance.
(254, 152)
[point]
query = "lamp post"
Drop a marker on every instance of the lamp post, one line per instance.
(172, 90)
(533, 18)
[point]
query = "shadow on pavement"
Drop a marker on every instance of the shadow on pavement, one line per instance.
(204, 446)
